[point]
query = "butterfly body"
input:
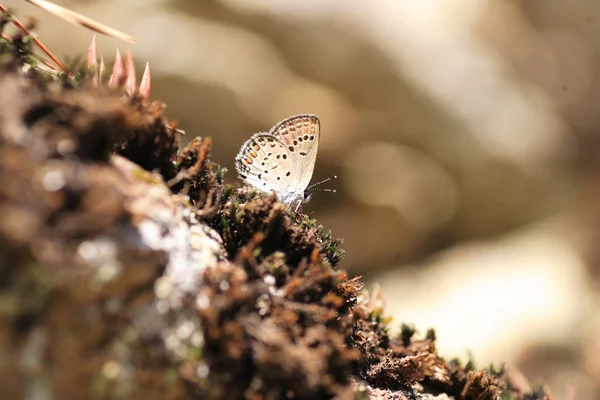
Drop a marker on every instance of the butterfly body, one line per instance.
(282, 160)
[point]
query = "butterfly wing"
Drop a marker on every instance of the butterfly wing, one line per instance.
(265, 163)
(300, 136)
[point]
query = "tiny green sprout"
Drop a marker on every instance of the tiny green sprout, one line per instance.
(32, 61)
(28, 38)
(238, 215)
(227, 191)
(362, 392)
(274, 267)
(430, 334)
(470, 365)
(455, 362)
(221, 171)
(9, 15)
(497, 371)
(385, 329)
(309, 223)
(407, 332)
(256, 252)
(226, 229)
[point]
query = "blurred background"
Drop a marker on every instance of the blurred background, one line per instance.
(466, 135)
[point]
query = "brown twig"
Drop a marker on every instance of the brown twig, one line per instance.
(211, 206)
(194, 169)
(246, 254)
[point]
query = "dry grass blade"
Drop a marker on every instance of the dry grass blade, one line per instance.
(79, 19)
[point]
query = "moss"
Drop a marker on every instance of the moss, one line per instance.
(276, 315)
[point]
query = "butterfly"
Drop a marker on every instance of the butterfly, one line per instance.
(282, 160)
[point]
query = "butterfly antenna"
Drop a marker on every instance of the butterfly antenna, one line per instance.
(323, 181)
(324, 190)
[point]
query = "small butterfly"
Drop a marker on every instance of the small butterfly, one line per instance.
(282, 160)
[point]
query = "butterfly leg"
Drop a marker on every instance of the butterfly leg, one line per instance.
(299, 206)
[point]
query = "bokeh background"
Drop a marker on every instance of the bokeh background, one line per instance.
(466, 135)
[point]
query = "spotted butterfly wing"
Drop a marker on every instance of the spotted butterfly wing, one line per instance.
(282, 160)
(300, 135)
(265, 163)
